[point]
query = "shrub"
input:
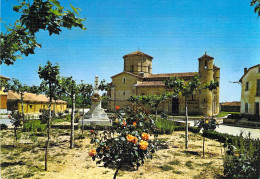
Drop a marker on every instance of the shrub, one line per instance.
(3, 126)
(130, 146)
(34, 126)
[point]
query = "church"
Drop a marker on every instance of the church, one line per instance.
(137, 79)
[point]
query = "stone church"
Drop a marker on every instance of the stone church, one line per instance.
(137, 79)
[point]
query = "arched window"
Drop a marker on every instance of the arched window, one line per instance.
(149, 69)
(205, 65)
(124, 80)
(132, 68)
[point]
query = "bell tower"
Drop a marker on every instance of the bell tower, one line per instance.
(206, 76)
(138, 63)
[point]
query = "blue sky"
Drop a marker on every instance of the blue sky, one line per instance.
(176, 33)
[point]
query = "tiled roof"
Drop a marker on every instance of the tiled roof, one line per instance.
(206, 56)
(168, 75)
(126, 73)
(4, 77)
(151, 83)
(30, 97)
(137, 53)
(234, 103)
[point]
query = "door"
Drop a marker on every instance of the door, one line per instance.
(175, 105)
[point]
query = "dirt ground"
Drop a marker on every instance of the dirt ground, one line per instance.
(27, 160)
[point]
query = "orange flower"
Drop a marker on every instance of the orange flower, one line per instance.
(129, 138)
(107, 148)
(92, 131)
(92, 152)
(236, 155)
(145, 136)
(134, 123)
(143, 145)
(124, 123)
(117, 107)
(135, 140)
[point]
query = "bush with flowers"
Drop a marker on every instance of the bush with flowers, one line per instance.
(131, 144)
(206, 123)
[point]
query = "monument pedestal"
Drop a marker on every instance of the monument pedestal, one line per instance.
(96, 116)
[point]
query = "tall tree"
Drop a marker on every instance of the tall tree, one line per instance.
(70, 88)
(186, 90)
(213, 85)
(85, 90)
(49, 74)
(20, 38)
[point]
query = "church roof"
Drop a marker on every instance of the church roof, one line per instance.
(150, 83)
(4, 77)
(206, 56)
(30, 97)
(132, 74)
(169, 75)
(215, 67)
(137, 53)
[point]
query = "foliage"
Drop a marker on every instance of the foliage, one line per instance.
(207, 123)
(131, 145)
(49, 15)
(212, 85)
(3, 126)
(256, 3)
(242, 159)
(105, 100)
(16, 120)
(34, 126)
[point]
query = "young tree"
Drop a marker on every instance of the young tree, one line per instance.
(70, 88)
(155, 101)
(213, 85)
(186, 90)
(17, 87)
(85, 90)
(16, 122)
(49, 74)
(20, 39)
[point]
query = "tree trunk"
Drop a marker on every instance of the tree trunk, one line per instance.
(48, 133)
(83, 116)
(22, 107)
(187, 128)
(72, 122)
(118, 168)
(156, 114)
(203, 146)
(212, 103)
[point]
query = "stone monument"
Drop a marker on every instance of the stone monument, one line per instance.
(96, 115)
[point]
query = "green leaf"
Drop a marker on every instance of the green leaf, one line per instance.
(17, 8)
(56, 3)
(74, 9)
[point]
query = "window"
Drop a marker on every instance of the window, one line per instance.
(149, 69)
(31, 106)
(246, 108)
(123, 93)
(256, 108)
(123, 80)
(192, 98)
(247, 86)
(205, 65)
(132, 68)
(258, 87)
(258, 69)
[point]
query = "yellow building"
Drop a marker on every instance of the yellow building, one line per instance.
(3, 95)
(250, 93)
(137, 79)
(33, 103)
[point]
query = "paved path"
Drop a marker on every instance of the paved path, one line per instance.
(233, 130)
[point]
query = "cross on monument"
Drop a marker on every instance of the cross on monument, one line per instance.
(96, 84)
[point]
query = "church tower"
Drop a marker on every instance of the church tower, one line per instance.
(206, 72)
(138, 63)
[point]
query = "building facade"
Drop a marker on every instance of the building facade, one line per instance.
(137, 79)
(250, 92)
(33, 103)
(3, 95)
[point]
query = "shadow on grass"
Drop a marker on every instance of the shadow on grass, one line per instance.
(7, 164)
(192, 153)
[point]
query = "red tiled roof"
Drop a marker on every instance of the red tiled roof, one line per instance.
(137, 53)
(233, 103)
(168, 75)
(30, 97)
(151, 83)
(4, 77)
